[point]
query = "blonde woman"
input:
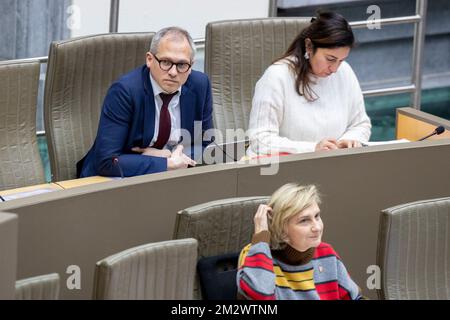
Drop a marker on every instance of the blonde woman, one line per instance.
(287, 259)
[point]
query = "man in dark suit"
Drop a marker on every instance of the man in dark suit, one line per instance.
(149, 111)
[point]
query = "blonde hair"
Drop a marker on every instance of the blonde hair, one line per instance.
(286, 202)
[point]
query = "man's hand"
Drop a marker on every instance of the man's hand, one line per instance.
(261, 219)
(342, 144)
(327, 144)
(179, 160)
(153, 152)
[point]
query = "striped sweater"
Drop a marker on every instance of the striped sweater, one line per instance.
(321, 276)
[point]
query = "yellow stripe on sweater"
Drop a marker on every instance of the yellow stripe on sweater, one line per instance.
(302, 280)
(243, 255)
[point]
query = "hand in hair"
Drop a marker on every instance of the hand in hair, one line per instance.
(261, 219)
(327, 144)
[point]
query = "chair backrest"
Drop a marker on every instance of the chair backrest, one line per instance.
(45, 287)
(79, 73)
(161, 270)
(20, 162)
(414, 251)
(236, 54)
(220, 227)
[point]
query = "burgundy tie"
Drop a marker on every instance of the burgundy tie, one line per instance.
(165, 124)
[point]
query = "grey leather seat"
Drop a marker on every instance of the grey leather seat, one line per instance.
(161, 270)
(45, 287)
(414, 251)
(20, 162)
(220, 227)
(236, 54)
(79, 73)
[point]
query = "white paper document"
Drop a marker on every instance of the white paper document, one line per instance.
(379, 143)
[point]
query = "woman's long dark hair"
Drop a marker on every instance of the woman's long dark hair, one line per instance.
(327, 30)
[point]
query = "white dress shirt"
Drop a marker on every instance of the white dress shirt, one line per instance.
(175, 115)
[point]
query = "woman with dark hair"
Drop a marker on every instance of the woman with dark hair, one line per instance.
(310, 99)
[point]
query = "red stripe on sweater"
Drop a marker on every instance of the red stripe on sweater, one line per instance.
(344, 294)
(257, 264)
(259, 260)
(331, 295)
(324, 249)
(252, 294)
(328, 291)
(328, 286)
(260, 256)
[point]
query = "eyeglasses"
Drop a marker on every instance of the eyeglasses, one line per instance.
(166, 65)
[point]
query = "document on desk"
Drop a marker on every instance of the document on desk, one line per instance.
(27, 194)
(380, 143)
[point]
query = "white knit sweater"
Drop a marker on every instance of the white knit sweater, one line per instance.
(283, 121)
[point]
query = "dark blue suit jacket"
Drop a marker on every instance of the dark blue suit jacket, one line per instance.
(127, 120)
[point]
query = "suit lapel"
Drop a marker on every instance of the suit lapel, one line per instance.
(149, 110)
(187, 109)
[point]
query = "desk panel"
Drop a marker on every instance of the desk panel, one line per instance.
(8, 255)
(83, 225)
